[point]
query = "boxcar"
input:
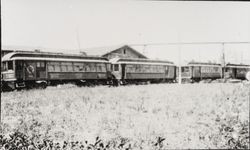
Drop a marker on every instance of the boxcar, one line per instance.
(136, 70)
(25, 69)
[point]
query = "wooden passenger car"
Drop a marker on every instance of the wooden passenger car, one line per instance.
(21, 69)
(196, 71)
(132, 70)
(236, 71)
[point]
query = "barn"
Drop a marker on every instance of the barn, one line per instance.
(120, 51)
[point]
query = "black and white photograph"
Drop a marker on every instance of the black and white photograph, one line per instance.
(124, 75)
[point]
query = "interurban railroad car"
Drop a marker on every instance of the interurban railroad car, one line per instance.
(236, 71)
(138, 70)
(196, 71)
(28, 69)
(39, 69)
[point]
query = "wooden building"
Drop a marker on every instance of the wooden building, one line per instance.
(121, 51)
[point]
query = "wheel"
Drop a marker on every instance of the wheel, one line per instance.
(43, 85)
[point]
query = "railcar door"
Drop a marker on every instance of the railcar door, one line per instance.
(116, 71)
(19, 69)
(123, 71)
(40, 70)
(196, 72)
(234, 72)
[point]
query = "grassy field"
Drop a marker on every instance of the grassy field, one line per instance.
(183, 116)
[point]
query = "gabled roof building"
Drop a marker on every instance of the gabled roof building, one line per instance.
(121, 51)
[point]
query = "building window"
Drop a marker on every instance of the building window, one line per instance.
(124, 51)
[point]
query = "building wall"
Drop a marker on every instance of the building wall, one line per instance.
(124, 52)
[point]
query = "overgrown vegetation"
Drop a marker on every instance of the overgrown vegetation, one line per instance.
(160, 116)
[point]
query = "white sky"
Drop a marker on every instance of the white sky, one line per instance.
(55, 24)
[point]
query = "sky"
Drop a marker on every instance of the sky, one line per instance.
(71, 25)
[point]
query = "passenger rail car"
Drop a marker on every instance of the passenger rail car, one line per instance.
(24, 69)
(127, 70)
(236, 71)
(195, 72)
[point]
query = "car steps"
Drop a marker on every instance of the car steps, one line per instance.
(20, 85)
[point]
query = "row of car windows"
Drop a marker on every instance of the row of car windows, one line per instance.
(146, 68)
(203, 69)
(76, 67)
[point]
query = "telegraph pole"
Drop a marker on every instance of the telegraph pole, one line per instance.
(179, 74)
(223, 63)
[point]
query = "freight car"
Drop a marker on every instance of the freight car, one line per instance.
(197, 71)
(127, 70)
(32, 69)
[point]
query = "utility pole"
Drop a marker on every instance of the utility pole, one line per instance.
(223, 63)
(179, 48)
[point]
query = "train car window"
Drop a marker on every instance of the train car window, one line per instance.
(92, 67)
(81, 68)
(10, 65)
(108, 67)
(87, 67)
(42, 64)
(38, 64)
(116, 67)
(184, 69)
(103, 68)
(167, 68)
(133, 69)
(137, 68)
(98, 68)
(143, 68)
(4, 66)
(64, 68)
(158, 69)
(77, 68)
(51, 68)
(129, 68)
(154, 69)
(57, 68)
(70, 68)
(150, 69)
